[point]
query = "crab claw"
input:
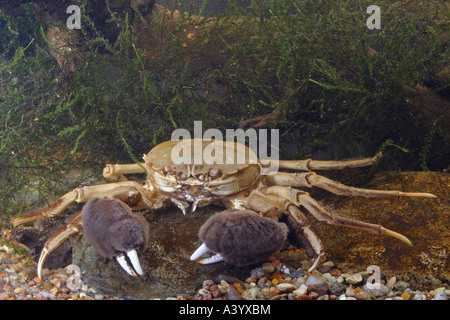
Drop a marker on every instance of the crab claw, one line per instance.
(241, 238)
(116, 232)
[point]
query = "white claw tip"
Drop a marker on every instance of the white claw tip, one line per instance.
(199, 252)
(214, 259)
(135, 269)
(134, 259)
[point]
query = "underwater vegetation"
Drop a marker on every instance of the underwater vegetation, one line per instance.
(311, 69)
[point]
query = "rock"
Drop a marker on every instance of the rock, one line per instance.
(349, 292)
(260, 272)
(401, 286)
(298, 273)
(286, 287)
(313, 295)
(322, 288)
(267, 267)
(337, 288)
(313, 281)
(406, 296)
(232, 294)
(377, 290)
(4, 296)
(354, 279)
(391, 283)
(440, 295)
(363, 295)
(420, 296)
(325, 267)
(302, 290)
(250, 294)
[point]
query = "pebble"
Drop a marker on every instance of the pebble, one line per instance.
(286, 287)
(391, 283)
(401, 285)
(259, 272)
(313, 281)
(420, 296)
(440, 295)
(302, 290)
(354, 279)
(377, 289)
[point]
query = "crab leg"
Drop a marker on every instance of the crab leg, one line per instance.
(311, 179)
(308, 164)
(78, 195)
(321, 213)
(114, 171)
(74, 227)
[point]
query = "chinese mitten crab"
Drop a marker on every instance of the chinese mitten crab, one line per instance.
(246, 233)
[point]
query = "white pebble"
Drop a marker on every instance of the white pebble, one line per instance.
(355, 278)
(301, 290)
(420, 296)
(440, 295)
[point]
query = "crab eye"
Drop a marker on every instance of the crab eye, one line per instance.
(215, 172)
(168, 169)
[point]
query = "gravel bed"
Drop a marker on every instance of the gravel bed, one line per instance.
(273, 280)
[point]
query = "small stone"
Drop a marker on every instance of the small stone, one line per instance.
(401, 285)
(377, 289)
(364, 296)
(259, 272)
(215, 291)
(207, 284)
(203, 292)
(349, 292)
(298, 273)
(322, 288)
(335, 272)
(4, 296)
(223, 289)
(325, 267)
(342, 297)
(19, 290)
(354, 279)
(391, 283)
(312, 280)
(275, 282)
(98, 296)
(420, 296)
(233, 294)
(313, 295)
(301, 290)
(286, 287)
(440, 295)
(37, 280)
(406, 296)
(329, 277)
(265, 292)
(337, 288)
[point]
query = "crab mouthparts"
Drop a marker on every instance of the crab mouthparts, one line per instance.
(201, 251)
(135, 268)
